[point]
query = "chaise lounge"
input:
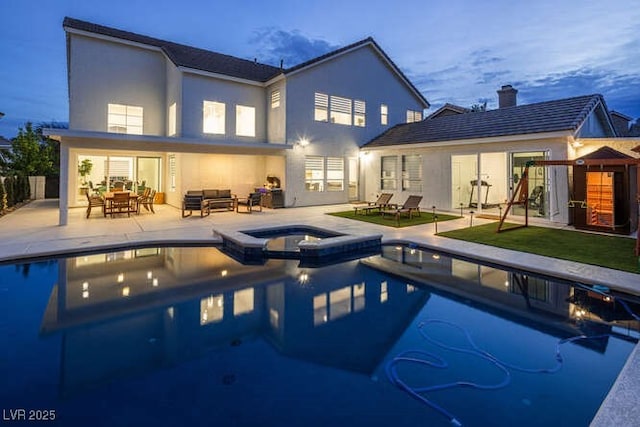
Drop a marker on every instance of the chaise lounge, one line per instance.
(411, 205)
(381, 203)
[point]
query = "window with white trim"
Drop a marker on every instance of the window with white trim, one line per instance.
(384, 114)
(213, 117)
(172, 172)
(172, 120)
(124, 119)
(245, 120)
(335, 174)
(321, 112)
(413, 116)
(412, 173)
(314, 173)
(275, 98)
(340, 110)
(388, 167)
(359, 113)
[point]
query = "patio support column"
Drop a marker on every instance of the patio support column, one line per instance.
(63, 202)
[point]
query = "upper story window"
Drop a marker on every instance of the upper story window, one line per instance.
(340, 110)
(359, 113)
(384, 114)
(213, 117)
(275, 98)
(245, 120)
(172, 120)
(124, 119)
(412, 173)
(413, 116)
(321, 112)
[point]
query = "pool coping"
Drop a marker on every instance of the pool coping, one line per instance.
(244, 244)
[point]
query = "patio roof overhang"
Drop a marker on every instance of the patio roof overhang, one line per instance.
(116, 141)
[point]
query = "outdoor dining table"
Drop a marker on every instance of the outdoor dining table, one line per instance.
(108, 199)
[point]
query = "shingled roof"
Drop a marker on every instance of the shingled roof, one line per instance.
(213, 62)
(186, 56)
(550, 116)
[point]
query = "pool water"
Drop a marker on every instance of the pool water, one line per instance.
(189, 336)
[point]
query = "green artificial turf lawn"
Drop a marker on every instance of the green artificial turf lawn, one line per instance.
(390, 221)
(596, 249)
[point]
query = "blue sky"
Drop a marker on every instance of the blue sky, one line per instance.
(457, 51)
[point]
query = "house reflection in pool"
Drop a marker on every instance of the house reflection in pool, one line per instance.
(138, 310)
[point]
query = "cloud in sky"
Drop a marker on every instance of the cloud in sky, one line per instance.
(273, 45)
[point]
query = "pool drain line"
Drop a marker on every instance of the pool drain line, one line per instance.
(431, 360)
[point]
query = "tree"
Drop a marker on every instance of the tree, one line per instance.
(33, 153)
(476, 108)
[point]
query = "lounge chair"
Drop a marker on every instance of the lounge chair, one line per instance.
(193, 201)
(93, 201)
(254, 200)
(381, 203)
(411, 205)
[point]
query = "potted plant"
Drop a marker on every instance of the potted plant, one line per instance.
(84, 169)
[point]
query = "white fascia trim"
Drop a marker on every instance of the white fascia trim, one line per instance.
(276, 79)
(113, 39)
(509, 138)
(219, 76)
(62, 133)
(382, 56)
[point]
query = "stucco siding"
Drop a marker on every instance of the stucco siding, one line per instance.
(197, 88)
(103, 72)
(437, 172)
(359, 75)
(277, 117)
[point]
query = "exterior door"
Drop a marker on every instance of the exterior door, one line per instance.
(353, 178)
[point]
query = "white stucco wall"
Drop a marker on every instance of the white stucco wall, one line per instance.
(357, 75)
(276, 117)
(174, 95)
(239, 173)
(197, 88)
(103, 72)
(437, 176)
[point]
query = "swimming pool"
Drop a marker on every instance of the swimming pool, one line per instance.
(189, 336)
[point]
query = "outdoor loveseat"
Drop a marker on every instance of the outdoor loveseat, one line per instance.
(205, 200)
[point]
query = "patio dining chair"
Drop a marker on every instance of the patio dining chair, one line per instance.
(410, 206)
(122, 202)
(93, 201)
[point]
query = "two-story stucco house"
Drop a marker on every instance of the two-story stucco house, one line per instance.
(175, 118)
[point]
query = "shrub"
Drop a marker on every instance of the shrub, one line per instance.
(9, 185)
(3, 196)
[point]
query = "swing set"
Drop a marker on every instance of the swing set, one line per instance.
(521, 194)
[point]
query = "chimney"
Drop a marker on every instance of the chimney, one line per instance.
(507, 96)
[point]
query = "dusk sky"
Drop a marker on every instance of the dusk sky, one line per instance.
(456, 51)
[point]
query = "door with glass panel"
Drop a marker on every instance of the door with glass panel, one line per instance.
(538, 195)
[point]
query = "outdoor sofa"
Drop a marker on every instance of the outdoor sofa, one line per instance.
(205, 200)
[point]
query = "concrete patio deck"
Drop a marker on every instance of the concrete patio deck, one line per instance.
(33, 231)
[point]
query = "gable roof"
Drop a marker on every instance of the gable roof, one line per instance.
(447, 110)
(213, 62)
(550, 116)
(369, 41)
(605, 153)
(186, 56)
